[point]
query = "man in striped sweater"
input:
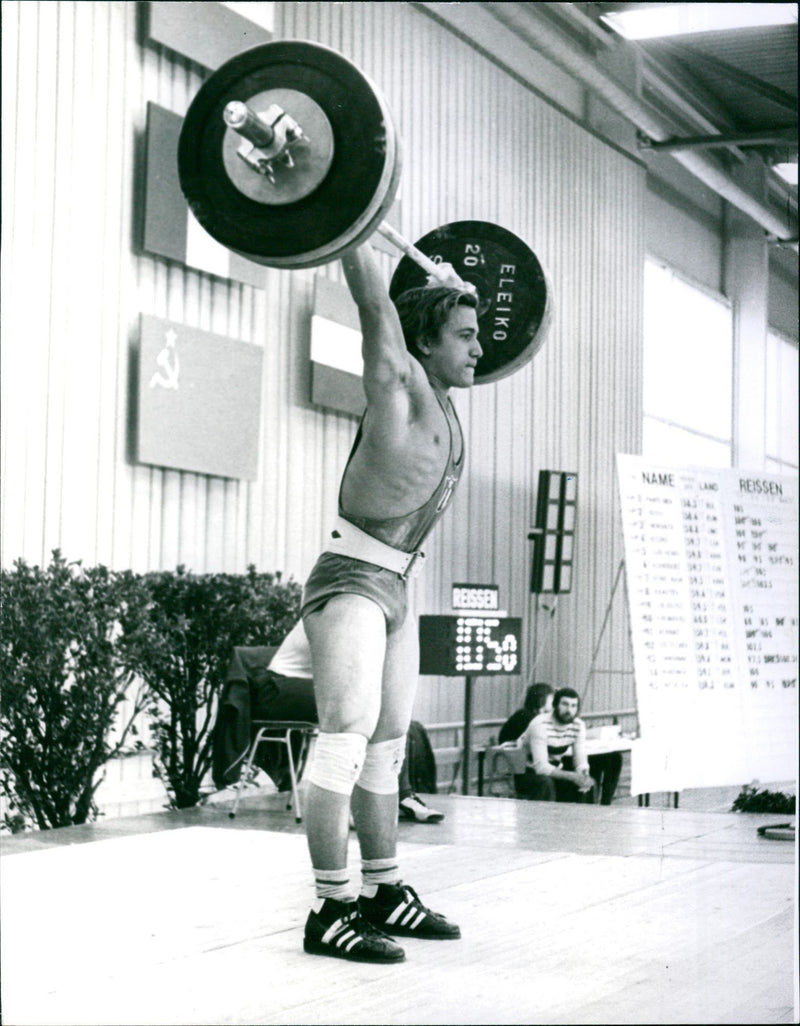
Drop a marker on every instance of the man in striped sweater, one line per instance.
(557, 766)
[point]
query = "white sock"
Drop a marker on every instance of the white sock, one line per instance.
(378, 871)
(332, 883)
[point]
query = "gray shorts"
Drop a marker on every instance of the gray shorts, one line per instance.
(334, 574)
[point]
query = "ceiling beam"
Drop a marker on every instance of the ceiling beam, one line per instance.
(769, 137)
(735, 75)
(574, 60)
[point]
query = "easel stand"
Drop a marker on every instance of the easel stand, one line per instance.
(593, 665)
(551, 611)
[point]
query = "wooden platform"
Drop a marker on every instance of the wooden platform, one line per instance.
(569, 914)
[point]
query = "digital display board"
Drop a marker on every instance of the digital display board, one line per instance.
(458, 646)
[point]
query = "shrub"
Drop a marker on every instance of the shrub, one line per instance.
(194, 623)
(750, 799)
(67, 635)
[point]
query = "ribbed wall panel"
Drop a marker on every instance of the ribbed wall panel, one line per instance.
(476, 144)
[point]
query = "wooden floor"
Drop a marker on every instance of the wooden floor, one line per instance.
(569, 914)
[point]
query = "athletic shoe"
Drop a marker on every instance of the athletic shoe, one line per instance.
(414, 808)
(397, 909)
(339, 930)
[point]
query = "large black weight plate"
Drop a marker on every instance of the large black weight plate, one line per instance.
(352, 198)
(512, 288)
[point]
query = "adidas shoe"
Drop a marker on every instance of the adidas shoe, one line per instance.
(339, 930)
(414, 808)
(397, 910)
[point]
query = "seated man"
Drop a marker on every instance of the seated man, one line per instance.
(558, 768)
(254, 692)
(605, 768)
(538, 698)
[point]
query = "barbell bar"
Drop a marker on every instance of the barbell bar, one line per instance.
(289, 156)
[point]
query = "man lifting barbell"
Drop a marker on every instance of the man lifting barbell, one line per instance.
(288, 155)
(405, 464)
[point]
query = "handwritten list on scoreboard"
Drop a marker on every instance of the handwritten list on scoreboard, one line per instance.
(712, 573)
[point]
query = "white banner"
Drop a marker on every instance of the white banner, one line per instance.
(712, 572)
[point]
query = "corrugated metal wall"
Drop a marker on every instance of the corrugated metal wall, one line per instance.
(477, 144)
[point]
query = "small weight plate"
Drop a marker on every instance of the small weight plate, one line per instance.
(352, 196)
(512, 285)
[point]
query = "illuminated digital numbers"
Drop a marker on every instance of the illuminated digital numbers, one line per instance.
(480, 647)
(469, 645)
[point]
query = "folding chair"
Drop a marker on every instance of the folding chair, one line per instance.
(307, 731)
(505, 762)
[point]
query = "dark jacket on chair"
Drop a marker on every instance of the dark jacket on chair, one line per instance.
(251, 692)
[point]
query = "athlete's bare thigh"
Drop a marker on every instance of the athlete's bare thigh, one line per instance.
(348, 646)
(399, 682)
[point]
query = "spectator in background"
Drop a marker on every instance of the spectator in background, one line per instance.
(605, 768)
(557, 765)
(538, 698)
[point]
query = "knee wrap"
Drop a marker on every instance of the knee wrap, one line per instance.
(337, 761)
(382, 766)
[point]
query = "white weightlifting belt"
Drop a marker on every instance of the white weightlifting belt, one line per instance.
(348, 540)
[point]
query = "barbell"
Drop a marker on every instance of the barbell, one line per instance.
(289, 156)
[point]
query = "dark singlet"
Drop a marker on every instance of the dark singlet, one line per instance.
(407, 532)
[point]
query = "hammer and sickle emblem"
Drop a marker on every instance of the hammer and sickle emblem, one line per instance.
(168, 362)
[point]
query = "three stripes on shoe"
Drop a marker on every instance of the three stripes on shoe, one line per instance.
(341, 934)
(408, 914)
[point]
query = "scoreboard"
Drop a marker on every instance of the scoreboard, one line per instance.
(711, 557)
(469, 645)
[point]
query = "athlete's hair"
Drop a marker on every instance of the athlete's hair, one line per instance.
(423, 312)
(535, 698)
(566, 693)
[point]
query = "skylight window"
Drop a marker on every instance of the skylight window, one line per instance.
(788, 172)
(656, 20)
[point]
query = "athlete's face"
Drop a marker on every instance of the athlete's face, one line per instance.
(451, 360)
(567, 710)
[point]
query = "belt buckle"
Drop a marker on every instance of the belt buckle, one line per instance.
(414, 565)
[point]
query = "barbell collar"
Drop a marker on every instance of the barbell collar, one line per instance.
(248, 124)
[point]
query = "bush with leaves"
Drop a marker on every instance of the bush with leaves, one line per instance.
(751, 799)
(194, 623)
(67, 638)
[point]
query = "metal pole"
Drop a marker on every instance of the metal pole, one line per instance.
(467, 734)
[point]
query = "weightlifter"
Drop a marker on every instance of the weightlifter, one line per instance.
(405, 463)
